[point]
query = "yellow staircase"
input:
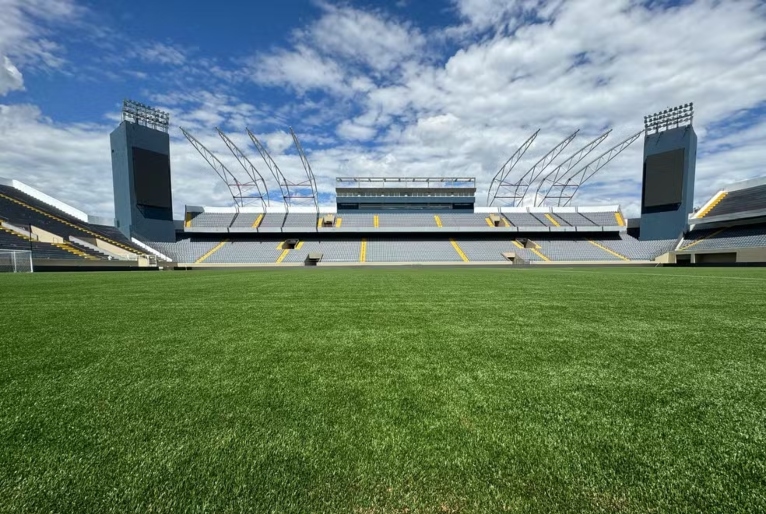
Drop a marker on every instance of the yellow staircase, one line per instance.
(14, 233)
(608, 250)
(459, 250)
(539, 254)
(363, 251)
(375, 221)
(552, 220)
(257, 221)
(698, 241)
(620, 220)
(212, 251)
(286, 251)
(74, 251)
(716, 200)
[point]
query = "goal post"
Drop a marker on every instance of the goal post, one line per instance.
(16, 261)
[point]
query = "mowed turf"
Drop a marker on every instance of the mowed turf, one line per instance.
(384, 390)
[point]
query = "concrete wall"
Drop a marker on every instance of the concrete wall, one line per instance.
(46, 237)
(669, 224)
(741, 255)
(751, 255)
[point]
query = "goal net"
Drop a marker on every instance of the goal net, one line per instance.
(15, 261)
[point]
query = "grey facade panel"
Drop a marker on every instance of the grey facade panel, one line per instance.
(669, 221)
(133, 219)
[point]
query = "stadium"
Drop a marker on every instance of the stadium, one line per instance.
(405, 350)
(532, 217)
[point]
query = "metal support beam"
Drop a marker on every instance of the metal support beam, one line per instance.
(255, 185)
(571, 185)
(273, 168)
(232, 183)
(517, 191)
(507, 168)
(311, 182)
(565, 168)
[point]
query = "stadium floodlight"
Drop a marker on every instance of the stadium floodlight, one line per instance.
(678, 116)
(142, 114)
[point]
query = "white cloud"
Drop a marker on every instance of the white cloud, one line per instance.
(162, 53)
(364, 37)
(303, 69)
(375, 97)
(22, 37)
(349, 130)
(345, 52)
(10, 77)
(501, 14)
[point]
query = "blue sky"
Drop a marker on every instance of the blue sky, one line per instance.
(447, 87)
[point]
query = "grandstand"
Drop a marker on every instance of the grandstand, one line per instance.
(389, 220)
(729, 228)
(59, 235)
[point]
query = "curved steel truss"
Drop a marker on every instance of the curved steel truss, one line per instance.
(293, 193)
(562, 170)
(569, 185)
(306, 190)
(255, 186)
(507, 168)
(516, 192)
(243, 192)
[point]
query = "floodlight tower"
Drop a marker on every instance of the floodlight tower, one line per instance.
(670, 156)
(143, 200)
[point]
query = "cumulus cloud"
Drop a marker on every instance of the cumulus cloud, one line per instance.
(469, 113)
(345, 51)
(24, 41)
(372, 94)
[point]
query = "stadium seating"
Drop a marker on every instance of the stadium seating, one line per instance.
(273, 220)
(406, 219)
(299, 220)
(459, 220)
(185, 250)
(539, 216)
(24, 210)
(523, 219)
(246, 219)
(573, 219)
(211, 219)
(398, 250)
(492, 251)
(746, 236)
(743, 200)
(601, 219)
(634, 249)
(246, 252)
(356, 220)
(574, 250)
(332, 251)
(9, 240)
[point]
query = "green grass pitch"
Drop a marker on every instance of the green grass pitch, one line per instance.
(384, 391)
